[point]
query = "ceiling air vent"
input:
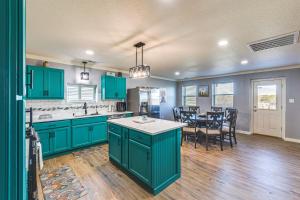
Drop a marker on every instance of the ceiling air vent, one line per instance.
(278, 41)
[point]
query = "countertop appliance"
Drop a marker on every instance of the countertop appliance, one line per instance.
(144, 101)
(121, 106)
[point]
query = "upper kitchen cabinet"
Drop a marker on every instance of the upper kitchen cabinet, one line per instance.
(113, 87)
(44, 83)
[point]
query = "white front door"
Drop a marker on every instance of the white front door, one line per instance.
(267, 107)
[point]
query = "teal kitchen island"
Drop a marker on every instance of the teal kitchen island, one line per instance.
(148, 152)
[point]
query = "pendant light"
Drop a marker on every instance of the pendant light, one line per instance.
(139, 71)
(84, 75)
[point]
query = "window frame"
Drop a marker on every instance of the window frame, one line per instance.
(224, 94)
(184, 95)
(80, 86)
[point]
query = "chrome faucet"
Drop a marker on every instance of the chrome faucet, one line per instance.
(85, 108)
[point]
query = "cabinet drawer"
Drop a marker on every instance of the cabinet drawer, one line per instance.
(140, 137)
(89, 120)
(50, 125)
(115, 128)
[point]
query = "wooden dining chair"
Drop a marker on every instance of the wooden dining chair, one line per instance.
(176, 114)
(229, 125)
(194, 108)
(191, 129)
(216, 109)
(180, 108)
(214, 125)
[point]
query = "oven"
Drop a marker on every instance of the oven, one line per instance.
(31, 158)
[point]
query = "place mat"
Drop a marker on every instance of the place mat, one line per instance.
(61, 184)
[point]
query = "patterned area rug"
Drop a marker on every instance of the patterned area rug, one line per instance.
(61, 184)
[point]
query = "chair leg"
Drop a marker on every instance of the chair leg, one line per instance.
(234, 136)
(206, 141)
(230, 139)
(221, 142)
(196, 138)
(181, 138)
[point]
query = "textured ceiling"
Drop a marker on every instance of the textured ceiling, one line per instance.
(180, 35)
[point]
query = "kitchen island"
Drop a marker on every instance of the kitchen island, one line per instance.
(148, 152)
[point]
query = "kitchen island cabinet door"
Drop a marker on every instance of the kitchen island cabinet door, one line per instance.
(115, 147)
(125, 147)
(140, 161)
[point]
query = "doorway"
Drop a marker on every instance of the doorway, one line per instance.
(268, 107)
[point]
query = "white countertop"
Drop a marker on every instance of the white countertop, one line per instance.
(68, 116)
(152, 128)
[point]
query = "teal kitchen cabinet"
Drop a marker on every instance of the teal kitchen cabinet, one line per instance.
(115, 147)
(81, 135)
(54, 83)
(140, 161)
(35, 82)
(153, 159)
(45, 140)
(99, 133)
(44, 83)
(61, 139)
(87, 131)
(121, 87)
(125, 148)
(87, 134)
(113, 87)
(55, 137)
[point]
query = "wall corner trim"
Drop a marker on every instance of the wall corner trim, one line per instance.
(292, 140)
(244, 132)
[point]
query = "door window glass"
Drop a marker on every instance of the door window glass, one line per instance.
(266, 95)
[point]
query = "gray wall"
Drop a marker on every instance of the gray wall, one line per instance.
(242, 97)
(72, 75)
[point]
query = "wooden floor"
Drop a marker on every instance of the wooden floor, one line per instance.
(259, 167)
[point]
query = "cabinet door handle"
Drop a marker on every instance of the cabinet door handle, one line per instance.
(148, 155)
(31, 79)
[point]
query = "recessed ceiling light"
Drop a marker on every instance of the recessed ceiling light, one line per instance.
(244, 62)
(89, 52)
(177, 73)
(223, 43)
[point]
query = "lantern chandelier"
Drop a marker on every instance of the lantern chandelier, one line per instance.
(139, 71)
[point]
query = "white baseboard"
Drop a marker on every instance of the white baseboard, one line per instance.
(292, 140)
(244, 132)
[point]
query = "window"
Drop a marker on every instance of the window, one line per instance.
(189, 95)
(222, 94)
(266, 97)
(77, 92)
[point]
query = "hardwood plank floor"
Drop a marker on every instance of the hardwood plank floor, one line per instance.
(259, 167)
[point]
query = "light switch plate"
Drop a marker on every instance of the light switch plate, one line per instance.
(291, 100)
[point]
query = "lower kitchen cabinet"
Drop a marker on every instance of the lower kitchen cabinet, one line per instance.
(81, 135)
(55, 140)
(87, 134)
(99, 133)
(45, 140)
(115, 147)
(140, 161)
(61, 139)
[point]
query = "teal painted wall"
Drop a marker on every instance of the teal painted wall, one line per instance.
(12, 137)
